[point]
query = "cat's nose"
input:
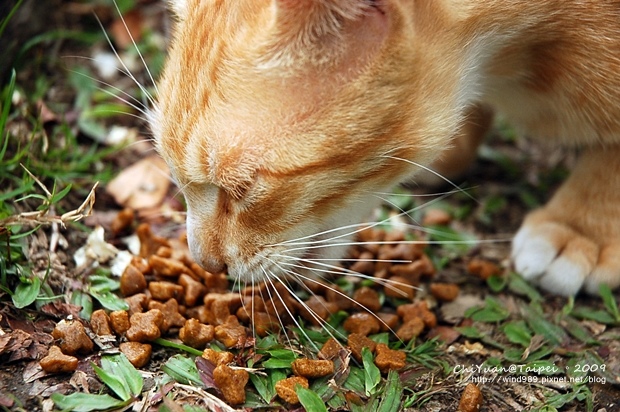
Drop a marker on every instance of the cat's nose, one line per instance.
(213, 265)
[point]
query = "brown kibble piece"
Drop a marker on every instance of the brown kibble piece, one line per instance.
(218, 358)
(471, 399)
(367, 298)
(231, 382)
(362, 323)
(100, 322)
(388, 321)
(166, 267)
(445, 292)
(311, 368)
(286, 388)
(138, 353)
(132, 281)
(264, 324)
(196, 334)
(149, 243)
(56, 361)
(436, 217)
(137, 303)
(357, 342)
(335, 295)
(230, 332)
(399, 287)
(165, 290)
(330, 349)
(216, 282)
(412, 328)
(419, 310)
(483, 269)
(72, 337)
(364, 264)
(145, 327)
(170, 310)
(122, 221)
(316, 308)
(388, 359)
(194, 290)
(119, 320)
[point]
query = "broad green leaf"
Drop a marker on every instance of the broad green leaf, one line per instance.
(491, 312)
(518, 332)
(554, 334)
(372, 375)
(520, 286)
(392, 394)
(83, 300)
(85, 402)
(600, 316)
(574, 327)
(120, 366)
(26, 292)
(497, 283)
(610, 301)
(355, 380)
(310, 400)
(109, 300)
(182, 370)
(115, 383)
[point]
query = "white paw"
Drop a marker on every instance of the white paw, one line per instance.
(555, 258)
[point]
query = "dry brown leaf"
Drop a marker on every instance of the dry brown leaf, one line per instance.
(142, 185)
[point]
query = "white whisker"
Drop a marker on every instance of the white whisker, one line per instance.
(146, 67)
(118, 57)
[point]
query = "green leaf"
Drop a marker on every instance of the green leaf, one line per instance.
(518, 332)
(497, 283)
(310, 400)
(83, 300)
(179, 346)
(554, 334)
(600, 316)
(113, 382)
(392, 394)
(521, 287)
(85, 402)
(109, 300)
(491, 312)
(372, 375)
(574, 327)
(355, 380)
(609, 301)
(120, 365)
(26, 292)
(182, 370)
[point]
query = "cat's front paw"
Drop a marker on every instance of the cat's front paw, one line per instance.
(561, 259)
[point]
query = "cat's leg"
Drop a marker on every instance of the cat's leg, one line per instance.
(574, 241)
(454, 162)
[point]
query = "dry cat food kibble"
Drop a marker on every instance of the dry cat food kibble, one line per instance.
(286, 388)
(170, 296)
(471, 399)
(56, 361)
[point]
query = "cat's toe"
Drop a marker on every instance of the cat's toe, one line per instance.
(562, 261)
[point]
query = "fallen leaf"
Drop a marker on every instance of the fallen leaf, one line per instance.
(142, 185)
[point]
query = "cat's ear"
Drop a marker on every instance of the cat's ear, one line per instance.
(179, 7)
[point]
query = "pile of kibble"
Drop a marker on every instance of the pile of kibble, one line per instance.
(171, 296)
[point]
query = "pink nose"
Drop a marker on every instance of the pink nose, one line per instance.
(213, 265)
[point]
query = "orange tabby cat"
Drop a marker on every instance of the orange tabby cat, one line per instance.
(281, 120)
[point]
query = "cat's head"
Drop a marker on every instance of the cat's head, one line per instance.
(282, 119)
